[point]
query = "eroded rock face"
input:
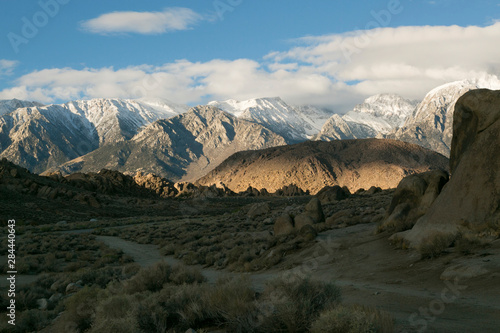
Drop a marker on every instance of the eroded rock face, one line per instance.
(413, 198)
(472, 197)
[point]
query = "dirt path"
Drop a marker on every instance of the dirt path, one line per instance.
(404, 286)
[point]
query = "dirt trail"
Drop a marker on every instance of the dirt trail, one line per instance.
(357, 261)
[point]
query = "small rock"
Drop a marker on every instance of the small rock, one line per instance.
(308, 232)
(55, 298)
(72, 288)
(94, 220)
(42, 303)
(269, 220)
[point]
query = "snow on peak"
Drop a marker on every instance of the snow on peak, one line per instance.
(9, 105)
(383, 112)
(486, 81)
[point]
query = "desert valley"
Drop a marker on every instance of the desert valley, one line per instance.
(233, 166)
(131, 218)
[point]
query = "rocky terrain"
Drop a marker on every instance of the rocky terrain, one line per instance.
(313, 165)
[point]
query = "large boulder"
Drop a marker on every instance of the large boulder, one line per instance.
(315, 211)
(283, 225)
(413, 198)
(471, 199)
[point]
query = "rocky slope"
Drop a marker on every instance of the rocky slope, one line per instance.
(315, 164)
(183, 147)
(376, 116)
(40, 137)
(431, 124)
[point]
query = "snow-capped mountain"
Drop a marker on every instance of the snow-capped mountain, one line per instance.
(431, 124)
(294, 123)
(376, 116)
(40, 137)
(9, 105)
(186, 146)
(116, 119)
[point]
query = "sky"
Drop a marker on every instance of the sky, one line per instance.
(327, 53)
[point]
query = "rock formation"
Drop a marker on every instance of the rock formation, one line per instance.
(471, 199)
(412, 199)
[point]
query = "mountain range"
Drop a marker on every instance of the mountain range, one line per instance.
(184, 147)
(183, 143)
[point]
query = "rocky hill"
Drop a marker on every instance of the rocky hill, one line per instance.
(313, 165)
(184, 147)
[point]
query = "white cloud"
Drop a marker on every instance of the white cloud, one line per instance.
(7, 67)
(335, 70)
(170, 19)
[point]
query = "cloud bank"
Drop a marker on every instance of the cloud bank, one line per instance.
(146, 23)
(337, 70)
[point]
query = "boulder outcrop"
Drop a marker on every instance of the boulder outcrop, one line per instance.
(471, 199)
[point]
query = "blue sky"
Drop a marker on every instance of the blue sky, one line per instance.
(192, 51)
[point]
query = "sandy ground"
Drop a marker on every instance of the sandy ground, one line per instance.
(371, 272)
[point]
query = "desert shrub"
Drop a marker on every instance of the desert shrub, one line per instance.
(151, 278)
(435, 244)
(168, 249)
(81, 308)
(467, 243)
(130, 270)
(33, 320)
(186, 275)
(26, 297)
(352, 319)
(231, 303)
(115, 314)
(150, 316)
(296, 303)
(173, 308)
